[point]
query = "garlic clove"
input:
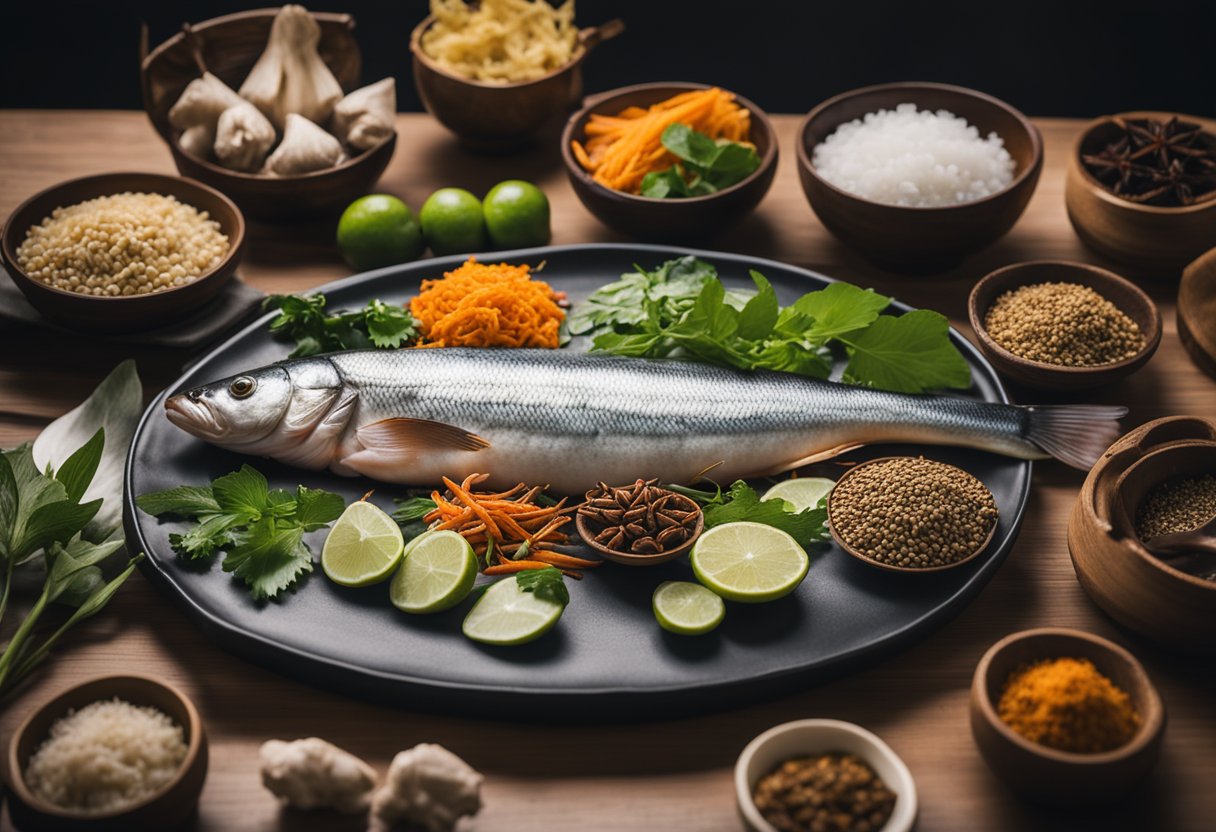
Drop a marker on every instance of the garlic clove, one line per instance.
(305, 148)
(243, 137)
(290, 76)
(365, 117)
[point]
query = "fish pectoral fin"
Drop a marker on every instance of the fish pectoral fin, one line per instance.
(818, 456)
(400, 436)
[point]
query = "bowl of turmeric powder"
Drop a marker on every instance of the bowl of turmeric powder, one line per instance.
(1065, 717)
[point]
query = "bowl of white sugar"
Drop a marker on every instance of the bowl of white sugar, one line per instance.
(917, 176)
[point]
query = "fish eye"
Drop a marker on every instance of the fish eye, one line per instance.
(241, 387)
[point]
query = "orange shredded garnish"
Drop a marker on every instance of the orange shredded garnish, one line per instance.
(483, 305)
(620, 150)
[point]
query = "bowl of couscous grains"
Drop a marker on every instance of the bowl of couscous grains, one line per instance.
(122, 251)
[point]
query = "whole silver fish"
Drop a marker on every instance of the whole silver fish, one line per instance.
(571, 420)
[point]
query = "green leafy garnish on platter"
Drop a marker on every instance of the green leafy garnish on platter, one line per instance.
(682, 310)
(742, 503)
(546, 584)
(304, 319)
(260, 530)
(706, 165)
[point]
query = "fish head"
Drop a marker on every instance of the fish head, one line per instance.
(238, 410)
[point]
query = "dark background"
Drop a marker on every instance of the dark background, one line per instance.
(1061, 58)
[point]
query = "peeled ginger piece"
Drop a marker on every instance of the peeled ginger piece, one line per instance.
(290, 76)
(364, 118)
(305, 148)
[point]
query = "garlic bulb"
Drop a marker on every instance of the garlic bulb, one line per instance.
(305, 148)
(243, 137)
(197, 111)
(365, 117)
(290, 76)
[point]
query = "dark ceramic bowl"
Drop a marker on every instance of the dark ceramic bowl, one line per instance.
(920, 240)
(129, 313)
(1122, 293)
(693, 219)
(1045, 775)
(170, 806)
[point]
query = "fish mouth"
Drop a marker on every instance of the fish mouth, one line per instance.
(194, 417)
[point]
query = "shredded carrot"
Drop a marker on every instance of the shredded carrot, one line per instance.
(514, 566)
(483, 305)
(620, 150)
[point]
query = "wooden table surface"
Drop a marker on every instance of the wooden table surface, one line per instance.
(672, 775)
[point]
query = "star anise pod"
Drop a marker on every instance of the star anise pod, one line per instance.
(1168, 163)
(1163, 141)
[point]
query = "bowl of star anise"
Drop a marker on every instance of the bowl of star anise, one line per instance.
(1141, 189)
(640, 524)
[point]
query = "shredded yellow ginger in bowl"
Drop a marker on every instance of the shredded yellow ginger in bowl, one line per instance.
(501, 41)
(483, 305)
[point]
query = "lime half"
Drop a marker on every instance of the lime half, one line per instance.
(437, 573)
(801, 493)
(749, 562)
(363, 547)
(687, 608)
(506, 614)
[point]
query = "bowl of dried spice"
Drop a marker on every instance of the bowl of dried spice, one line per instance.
(823, 774)
(1065, 717)
(1141, 189)
(1060, 325)
(640, 524)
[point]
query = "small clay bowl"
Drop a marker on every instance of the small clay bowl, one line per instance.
(886, 566)
(1197, 312)
(1131, 584)
(806, 737)
(501, 117)
(124, 313)
(587, 533)
(920, 240)
(1150, 239)
(1039, 374)
(170, 806)
(692, 219)
(1045, 775)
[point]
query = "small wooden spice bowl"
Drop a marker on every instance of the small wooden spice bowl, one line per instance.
(920, 240)
(122, 313)
(172, 805)
(587, 531)
(861, 556)
(819, 736)
(1124, 294)
(1131, 584)
(1045, 775)
(690, 219)
(1152, 239)
(1197, 311)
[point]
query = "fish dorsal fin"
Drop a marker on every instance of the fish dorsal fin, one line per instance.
(412, 435)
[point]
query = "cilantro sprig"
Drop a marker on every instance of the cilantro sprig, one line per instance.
(706, 165)
(682, 310)
(742, 502)
(260, 530)
(304, 319)
(546, 584)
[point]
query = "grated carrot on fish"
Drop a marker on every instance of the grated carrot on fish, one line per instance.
(484, 305)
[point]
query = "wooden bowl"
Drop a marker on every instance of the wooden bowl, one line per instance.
(1197, 312)
(1121, 292)
(173, 804)
(687, 220)
(1150, 239)
(127, 313)
(229, 46)
(583, 525)
(1132, 585)
(818, 736)
(849, 550)
(489, 116)
(1045, 775)
(920, 240)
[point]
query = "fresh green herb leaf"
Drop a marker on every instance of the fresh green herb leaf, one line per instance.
(759, 315)
(546, 584)
(78, 469)
(268, 557)
(838, 309)
(244, 492)
(305, 320)
(909, 354)
(317, 508)
(184, 501)
(743, 503)
(706, 165)
(411, 509)
(389, 327)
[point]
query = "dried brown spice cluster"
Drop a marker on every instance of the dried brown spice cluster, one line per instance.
(1169, 163)
(641, 518)
(832, 792)
(1177, 506)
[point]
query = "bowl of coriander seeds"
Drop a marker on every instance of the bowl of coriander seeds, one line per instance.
(122, 252)
(1058, 325)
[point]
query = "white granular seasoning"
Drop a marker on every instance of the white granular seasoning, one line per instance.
(107, 756)
(914, 158)
(124, 244)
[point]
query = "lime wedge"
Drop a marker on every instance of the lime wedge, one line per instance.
(506, 614)
(437, 573)
(749, 562)
(363, 547)
(801, 493)
(687, 608)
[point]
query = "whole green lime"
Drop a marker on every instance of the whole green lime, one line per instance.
(378, 230)
(452, 222)
(517, 215)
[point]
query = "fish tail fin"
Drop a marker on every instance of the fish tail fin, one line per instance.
(1075, 434)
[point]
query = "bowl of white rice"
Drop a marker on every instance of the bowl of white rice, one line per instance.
(122, 252)
(917, 176)
(119, 752)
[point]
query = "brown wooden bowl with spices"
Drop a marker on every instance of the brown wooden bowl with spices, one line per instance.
(1046, 775)
(1124, 294)
(1197, 312)
(607, 519)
